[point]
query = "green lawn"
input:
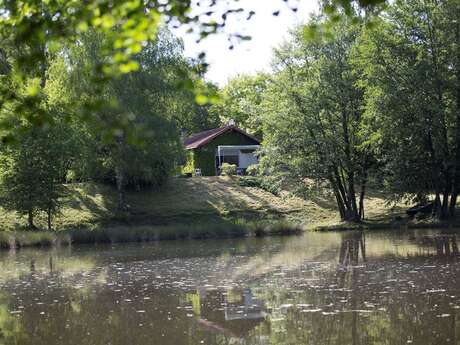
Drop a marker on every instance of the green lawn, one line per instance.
(196, 200)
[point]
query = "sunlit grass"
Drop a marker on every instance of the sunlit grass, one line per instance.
(203, 200)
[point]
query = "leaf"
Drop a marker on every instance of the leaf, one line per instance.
(201, 99)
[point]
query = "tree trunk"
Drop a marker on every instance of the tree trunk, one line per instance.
(50, 215)
(120, 176)
(346, 200)
(361, 200)
(354, 213)
(30, 218)
(344, 203)
(445, 197)
(120, 173)
(456, 182)
(352, 208)
(436, 205)
(340, 204)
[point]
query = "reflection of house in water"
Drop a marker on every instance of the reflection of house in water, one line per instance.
(231, 312)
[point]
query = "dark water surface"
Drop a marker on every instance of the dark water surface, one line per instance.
(320, 288)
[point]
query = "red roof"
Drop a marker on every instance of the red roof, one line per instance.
(199, 139)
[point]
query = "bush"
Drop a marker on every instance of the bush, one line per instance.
(252, 170)
(250, 181)
(228, 169)
(281, 227)
(266, 183)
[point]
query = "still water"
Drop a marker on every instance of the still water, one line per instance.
(320, 288)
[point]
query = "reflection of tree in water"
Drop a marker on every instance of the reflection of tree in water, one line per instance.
(380, 299)
(352, 244)
(358, 298)
(442, 245)
(446, 245)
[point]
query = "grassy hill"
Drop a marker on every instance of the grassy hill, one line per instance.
(196, 200)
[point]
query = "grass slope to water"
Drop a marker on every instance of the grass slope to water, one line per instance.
(199, 207)
(182, 201)
(123, 234)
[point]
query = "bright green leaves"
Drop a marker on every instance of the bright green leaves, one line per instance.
(357, 11)
(126, 29)
(241, 100)
(33, 87)
(201, 99)
(33, 31)
(36, 31)
(204, 94)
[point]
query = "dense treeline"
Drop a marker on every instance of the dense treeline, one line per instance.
(376, 103)
(132, 139)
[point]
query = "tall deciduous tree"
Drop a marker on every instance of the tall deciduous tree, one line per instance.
(410, 68)
(35, 28)
(137, 138)
(241, 100)
(314, 121)
(33, 172)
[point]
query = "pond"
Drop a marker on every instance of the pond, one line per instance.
(320, 288)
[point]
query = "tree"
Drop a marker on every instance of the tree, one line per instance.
(410, 68)
(137, 138)
(35, 163)
(314, 119)
(241, 100)
(34, 29)
(33, 173)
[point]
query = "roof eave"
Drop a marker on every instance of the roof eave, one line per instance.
(222, 131)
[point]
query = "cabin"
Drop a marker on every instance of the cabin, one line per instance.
(208, 150)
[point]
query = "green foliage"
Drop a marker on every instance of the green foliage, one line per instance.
(32, 31)
(252, 170)
(135, 142)
(410, 71)
(189, 166)
(33, 173)
(250, 181)
(241, 100)
(271, 184)
(228, 169)
(312, 126)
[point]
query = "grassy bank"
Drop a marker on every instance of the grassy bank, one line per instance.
(386, 224)
(124, 234)
(201, 207)
(182, 202)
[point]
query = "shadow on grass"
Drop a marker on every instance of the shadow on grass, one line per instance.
(328, 203)
(82, 197)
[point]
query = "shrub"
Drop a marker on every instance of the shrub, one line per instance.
(280, 227)
(228, 169)
(250, 181)
(252, 170)
(266, 183)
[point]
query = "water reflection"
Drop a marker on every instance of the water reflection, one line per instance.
(352, 245)
(232, 313)
(336, 288)
(445, 245)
